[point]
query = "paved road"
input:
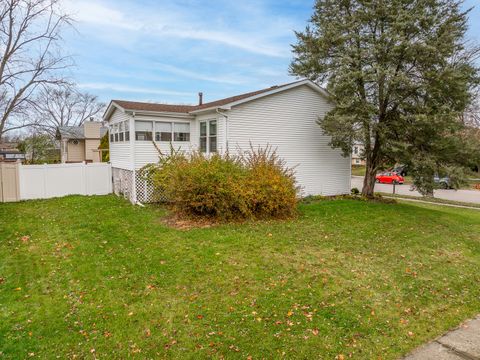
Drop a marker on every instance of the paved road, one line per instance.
(468, 196)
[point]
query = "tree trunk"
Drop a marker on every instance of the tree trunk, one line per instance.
(369, 180)
(372, 163)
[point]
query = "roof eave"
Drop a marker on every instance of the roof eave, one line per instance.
(159, 113)
(228, 106)
(110, 108)
(209, 109)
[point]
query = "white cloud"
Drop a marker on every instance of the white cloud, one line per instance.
(234, 80)
(132, 89)
(173, 22)
(98, 14)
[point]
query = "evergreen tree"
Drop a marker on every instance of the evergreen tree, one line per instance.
(400, 76)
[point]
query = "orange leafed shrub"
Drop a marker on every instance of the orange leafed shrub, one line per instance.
(256, 185)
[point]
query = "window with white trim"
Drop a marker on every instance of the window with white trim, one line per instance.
(181, 132)
(112, 135)
(208, 136)
(163, 131)
(127, 130)
(143, 130)
(120, 131)
(115, 132)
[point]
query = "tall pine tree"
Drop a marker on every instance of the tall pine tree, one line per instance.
(400, 77)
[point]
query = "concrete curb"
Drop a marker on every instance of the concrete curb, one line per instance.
(460, 343)
(431, 203)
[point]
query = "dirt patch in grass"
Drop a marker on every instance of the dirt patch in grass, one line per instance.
(185, 223)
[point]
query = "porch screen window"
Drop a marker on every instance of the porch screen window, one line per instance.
(163, 131)
(127, 130)
(181, 132)
(115, 131)
(143, 130)
(120, 131)
(208, 136)
(112, 135)
(203, 136)
(212, 136)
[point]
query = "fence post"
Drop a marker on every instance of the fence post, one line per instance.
(1, 182)
(45, 170)
(84, 178)
(9, 182)
(110, 177)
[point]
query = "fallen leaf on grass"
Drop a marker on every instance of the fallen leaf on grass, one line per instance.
(234, 348)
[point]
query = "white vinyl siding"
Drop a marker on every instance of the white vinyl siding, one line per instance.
(288, 122)
(121, 152)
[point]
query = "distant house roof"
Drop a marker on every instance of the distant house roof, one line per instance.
(5, 146)
(185, 109)
(75, 132)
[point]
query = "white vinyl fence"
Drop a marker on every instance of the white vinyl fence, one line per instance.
(54, 180)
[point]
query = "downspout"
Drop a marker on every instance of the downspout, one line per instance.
(132, 141)
(226, 127)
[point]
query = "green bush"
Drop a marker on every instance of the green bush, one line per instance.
(256, 185)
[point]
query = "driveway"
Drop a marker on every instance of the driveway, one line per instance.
(468, 196)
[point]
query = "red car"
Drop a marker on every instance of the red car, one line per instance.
(389, 177)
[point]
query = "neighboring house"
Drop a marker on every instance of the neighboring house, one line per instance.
(357, 154)
(9, 152)
(80, 143)
(284, 117)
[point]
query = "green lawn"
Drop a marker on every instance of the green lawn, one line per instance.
(94, 277)
(358, 170)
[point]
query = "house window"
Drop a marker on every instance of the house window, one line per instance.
(355, 150)
(127, 131)
(143, 130)
(120, 131)
(208, 136)
(115, 132)
(212, 136)
(112, 136)
(163, 131)
(203, 136)
(181, 132)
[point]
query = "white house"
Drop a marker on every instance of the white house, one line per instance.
(284, 117)
(357, 154)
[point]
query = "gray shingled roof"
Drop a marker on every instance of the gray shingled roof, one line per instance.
(71, 132)
(141, 106)
(75, 132)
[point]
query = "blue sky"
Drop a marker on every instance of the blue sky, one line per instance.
(169, 50)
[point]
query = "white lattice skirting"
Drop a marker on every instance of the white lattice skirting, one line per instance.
(126, 181)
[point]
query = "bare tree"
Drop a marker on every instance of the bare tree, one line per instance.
(30, 55)
(64, 106)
